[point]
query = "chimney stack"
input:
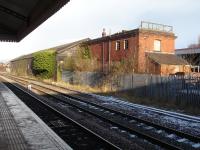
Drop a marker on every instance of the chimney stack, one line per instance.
(104, 32)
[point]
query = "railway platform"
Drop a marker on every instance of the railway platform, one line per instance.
(22, 129)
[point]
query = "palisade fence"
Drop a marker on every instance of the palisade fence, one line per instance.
(181, 90)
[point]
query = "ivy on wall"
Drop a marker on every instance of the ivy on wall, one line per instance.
(81, 60)
(44, 63)
(85, 52)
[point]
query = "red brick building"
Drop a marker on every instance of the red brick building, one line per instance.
(151, 46)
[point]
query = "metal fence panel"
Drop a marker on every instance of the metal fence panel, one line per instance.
(179, 90)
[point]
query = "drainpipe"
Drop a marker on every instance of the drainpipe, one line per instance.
(109, 51)
(56, 69)
(103, 57)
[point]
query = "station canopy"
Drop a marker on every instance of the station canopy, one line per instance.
(20, 17)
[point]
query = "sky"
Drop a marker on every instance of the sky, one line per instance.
(86, 18)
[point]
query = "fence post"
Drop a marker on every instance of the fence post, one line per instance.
(132, 81)
(151, 90)
(146, 86)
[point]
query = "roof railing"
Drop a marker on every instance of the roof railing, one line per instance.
(156, 27)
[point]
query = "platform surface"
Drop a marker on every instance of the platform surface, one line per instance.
(22, 129)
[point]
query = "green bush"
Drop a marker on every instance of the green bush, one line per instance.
(44, 63)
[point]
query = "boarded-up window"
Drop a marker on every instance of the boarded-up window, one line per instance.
(125, 44)
(117, 45)
(157, 45)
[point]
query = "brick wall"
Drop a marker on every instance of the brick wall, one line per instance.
(108, 50)
(140, 42)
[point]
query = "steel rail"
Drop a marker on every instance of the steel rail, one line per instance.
(156, 110)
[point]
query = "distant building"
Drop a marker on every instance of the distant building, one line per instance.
(192, 55)
(151, 46)
(4, 67)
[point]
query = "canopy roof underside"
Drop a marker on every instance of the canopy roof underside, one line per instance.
(20, 17)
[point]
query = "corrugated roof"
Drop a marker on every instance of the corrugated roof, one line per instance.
(167, 59)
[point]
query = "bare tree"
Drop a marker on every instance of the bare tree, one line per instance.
(194, 45)
(199, 41)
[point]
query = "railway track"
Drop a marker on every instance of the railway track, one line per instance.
(159, 111)
(162, 136)
(73, 133)
(154, 110)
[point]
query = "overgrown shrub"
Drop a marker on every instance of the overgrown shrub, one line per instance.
(81, 60)
(44, 63)
(124, 66)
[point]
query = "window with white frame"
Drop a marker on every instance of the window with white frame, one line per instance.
(157, 45)
(117, 45)
(126, 44)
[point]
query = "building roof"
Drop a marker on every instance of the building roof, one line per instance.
(59, 49)
(114, 36)
(62, 48)
(22, 57)
(167, 59)
(20, 17)
(195, 50)
(129, 33)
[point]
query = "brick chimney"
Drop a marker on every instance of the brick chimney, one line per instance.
(104, 32)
